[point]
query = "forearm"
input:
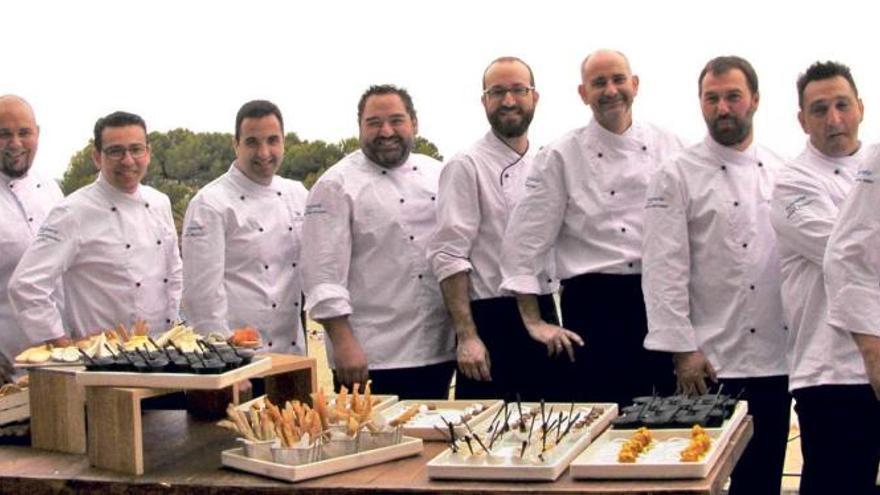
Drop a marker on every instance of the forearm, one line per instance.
(455, 296)
(869, 347)
(529, 310)
(338, 329)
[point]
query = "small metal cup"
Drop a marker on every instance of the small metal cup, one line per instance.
(337, 447)
(368, 440)
(260, 449)
(294, 456)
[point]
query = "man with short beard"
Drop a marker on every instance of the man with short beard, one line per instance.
(583, 202)
(241, 240)
(365, 270)
(25, 199)
(478, 190)
(712, 272)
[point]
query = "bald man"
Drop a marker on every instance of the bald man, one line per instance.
(585, 197)
(25, 199)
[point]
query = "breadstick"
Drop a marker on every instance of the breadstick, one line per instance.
(406, 416)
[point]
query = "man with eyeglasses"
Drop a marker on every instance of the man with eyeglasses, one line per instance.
(478, 189)
(827, 371)
(241, 240)
(712, 273)
(366, 273)
(25, 199)
(112, 244)
(584, 197)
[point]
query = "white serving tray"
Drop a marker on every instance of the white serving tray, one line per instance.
(235, 458)
(449, 465)
(189, 381)
(592, 464)
(422, 424)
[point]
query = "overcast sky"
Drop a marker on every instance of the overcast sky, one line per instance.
(193, 63)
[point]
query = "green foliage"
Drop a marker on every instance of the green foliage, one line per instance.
(183, 161)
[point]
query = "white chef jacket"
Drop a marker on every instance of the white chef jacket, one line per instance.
(805, 204)
(852, 258)
(117, 257)
(364, 240)
(711, 268)
(478, 190)
(24, 204)
(241, 243)
(585, 196)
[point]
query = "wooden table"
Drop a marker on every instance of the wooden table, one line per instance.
(182, 456)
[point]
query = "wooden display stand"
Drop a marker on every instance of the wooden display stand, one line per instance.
(57, 402)
(115, 439)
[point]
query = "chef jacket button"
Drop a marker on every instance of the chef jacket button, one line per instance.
(644, 148)
(164, 280)
(146, 205)
(785, 327)
(278, 193)
(384, 172)
(613, 193)
(159, 242)
(412, 238)
(293, 265)
(724, 167)
(752, 287)
(600, 155)
(128, 246)
(630, 264)
(30, 219)
(506, 176)
(38, 186)
(270, 343)
(266, 267)
(293, 343)
(290, 228)
(420, 276)
(751, 330)
(549, 280)
(261, 229)
(113, 208)
(433, 198)
(241, 197)
(623, 229)
(137, 284)
(296, 304)
(760, 164)
(167, 320)
(274, 305)
(401, 200)
(415, 168)
(836, 171)
(736, 203)
(745, 245)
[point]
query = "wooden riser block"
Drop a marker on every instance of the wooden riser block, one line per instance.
(58, 420)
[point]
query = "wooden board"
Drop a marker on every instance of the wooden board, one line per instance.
(599, 460)
(48, 364)
(422, 424)
(15, 407)
(58, 412)
(506, 463)
(172, 380)
(235, 458)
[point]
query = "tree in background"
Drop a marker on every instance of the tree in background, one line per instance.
(184, 161)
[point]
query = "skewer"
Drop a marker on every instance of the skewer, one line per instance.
(476, 437)
(150, 340)
(86, 355)
(109, 349)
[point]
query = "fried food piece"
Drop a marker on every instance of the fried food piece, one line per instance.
(246, 336)
(405, 416)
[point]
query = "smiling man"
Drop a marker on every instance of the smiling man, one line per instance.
(366, 273)
(112, 244)
(583, 206)
(25, 199)
(241, 240)
(827, 373)
(712, 277)
(478, 189)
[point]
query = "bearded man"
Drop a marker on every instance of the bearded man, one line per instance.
(366, 275)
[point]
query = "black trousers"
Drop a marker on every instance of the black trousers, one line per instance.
(420, 382)
(759, 470)
(840, 439)
(608, 312)
(520, 365)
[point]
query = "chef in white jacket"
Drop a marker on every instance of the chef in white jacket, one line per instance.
(112, 243)
(584, 198)
(367, 278)
(478, 189)
(711, 268)
(827, 375)
(241, 240)
(25, 199)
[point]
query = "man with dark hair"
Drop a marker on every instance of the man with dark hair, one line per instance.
(712, 277)
(583, 205)
(366, 274)
(112, 244)
(478, 189)
(827, 374)
(241, 240)
(25, 199)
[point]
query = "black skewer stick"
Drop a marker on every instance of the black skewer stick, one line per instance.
(141, 353)
(109, 349)
(445, 437)
(162, 349)
(571, 423)
(519, 407)
(495, 418)
(85, 355)
(476, 437)
(125, 355)
(467, 440)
